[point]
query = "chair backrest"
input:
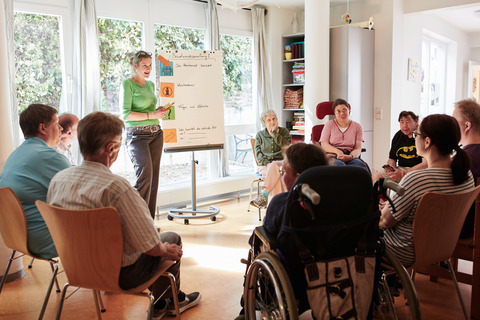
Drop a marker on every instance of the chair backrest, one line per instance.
(439, 218)
(89, 244)
(324, 109)
(252, 143)
(13, 223)
(346, 207)
(317, 132)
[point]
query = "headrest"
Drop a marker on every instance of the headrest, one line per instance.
(345, 191)
(325, 109)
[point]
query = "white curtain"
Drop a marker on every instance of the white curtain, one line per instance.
(261, 62)
(86, 95)
(212, 42)
(8, 110)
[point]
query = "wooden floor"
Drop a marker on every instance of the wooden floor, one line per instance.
(211, 265)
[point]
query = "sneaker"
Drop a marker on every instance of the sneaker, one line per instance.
(260, 202)
(158, 314)
(191, 300)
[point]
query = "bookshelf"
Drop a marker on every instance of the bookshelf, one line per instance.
(293, 79)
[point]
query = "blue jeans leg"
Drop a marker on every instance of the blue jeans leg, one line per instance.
(145, 151)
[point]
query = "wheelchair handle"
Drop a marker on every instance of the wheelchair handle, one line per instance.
(390, 184)
(310, 194)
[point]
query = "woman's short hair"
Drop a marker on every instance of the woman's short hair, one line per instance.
(339, 102)
(96, 130)
(33, 116)
(444, 133)
(471, 112)
(139, 55)
(267, 113)
(301, 156)
(405, 114)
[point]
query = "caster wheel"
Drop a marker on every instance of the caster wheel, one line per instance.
(213, 218)
(186, 221)
(170, 218)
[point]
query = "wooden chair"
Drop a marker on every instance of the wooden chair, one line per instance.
(466, 249)
(438, 221)
(13, 227)
(259, 179)
(90, 245)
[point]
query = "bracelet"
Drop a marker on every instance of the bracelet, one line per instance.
(148, 115)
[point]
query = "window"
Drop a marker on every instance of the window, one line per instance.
(240, 115)
(38, 61)
(118, 40)
(433, 77)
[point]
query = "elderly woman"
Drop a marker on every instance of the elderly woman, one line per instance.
(268, 152)
(342, 138)
(436, 140)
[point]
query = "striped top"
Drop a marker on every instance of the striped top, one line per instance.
(93, 185)
(399, 238)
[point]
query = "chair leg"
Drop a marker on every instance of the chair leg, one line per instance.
(52, 263)
(30, 265)
(258, 194)
(100, 300)
(386, 288)
(96, 297)
(49, 290)
(62, 300)
(250, 195)
(454, 278)
(6, 271)
(173, 286)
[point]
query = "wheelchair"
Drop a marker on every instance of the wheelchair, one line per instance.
(332, 212)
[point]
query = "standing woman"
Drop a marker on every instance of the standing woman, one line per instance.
(144, 134)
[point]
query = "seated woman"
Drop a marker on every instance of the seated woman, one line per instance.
(342, 138)
(436, 140)
(268, 152)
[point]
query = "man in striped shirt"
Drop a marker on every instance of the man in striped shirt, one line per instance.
(93, 185)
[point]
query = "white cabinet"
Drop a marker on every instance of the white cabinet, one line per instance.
(351, 76)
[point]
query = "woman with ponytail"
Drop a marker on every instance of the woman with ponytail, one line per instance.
(436, 139)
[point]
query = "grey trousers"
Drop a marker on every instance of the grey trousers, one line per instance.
(145, 268)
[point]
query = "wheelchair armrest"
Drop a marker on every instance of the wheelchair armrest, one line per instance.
(265, 237)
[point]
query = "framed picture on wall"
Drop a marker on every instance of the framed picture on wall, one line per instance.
(474, 80)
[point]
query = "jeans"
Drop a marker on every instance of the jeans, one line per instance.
(354, 162)
(146, 266)
(145, 151)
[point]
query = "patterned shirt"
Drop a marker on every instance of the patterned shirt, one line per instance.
(399, 238)
(62, 148)
(93, 185)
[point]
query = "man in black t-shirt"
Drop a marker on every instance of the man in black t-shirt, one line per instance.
(403, 156)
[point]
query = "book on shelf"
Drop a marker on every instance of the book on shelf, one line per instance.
(297, 132)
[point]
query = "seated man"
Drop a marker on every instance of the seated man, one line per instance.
(268, 152)
(403, 155)
(29, 169)
(467, 113)
(69, 123)
(92, 185)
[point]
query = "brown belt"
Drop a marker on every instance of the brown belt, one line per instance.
(144, 129)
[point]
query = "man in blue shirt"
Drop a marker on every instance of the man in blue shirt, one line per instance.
(29, 169)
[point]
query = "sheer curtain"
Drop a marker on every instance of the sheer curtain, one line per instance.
(261, 62)
(219, 158)
(8, 113)
(86, 95)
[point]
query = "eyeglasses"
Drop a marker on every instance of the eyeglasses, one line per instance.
(338, 111)
(417, 134)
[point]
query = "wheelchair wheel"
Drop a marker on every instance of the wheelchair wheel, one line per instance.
(408, 287)
(268, 290)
